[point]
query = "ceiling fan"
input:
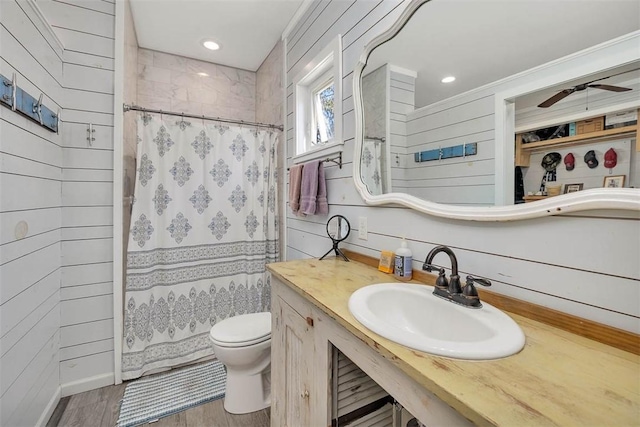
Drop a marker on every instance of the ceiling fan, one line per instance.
(566, 92)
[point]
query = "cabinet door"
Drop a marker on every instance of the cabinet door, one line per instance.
(291, 357)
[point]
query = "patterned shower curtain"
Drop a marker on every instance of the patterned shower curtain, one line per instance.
(371, 166)
(204, 225)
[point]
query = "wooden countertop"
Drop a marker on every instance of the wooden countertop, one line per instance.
(559, 378)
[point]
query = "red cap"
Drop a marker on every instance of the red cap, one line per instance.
(570, 161)
(610, 158)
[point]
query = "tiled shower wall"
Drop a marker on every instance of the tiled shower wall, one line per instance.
(174, 83)
(269, 109)
(130, 97)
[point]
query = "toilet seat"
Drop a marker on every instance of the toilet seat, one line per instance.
(240, 344)
(242, 331)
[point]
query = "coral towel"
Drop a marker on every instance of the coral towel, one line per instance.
(309, 187)
(295, 180)
(322, 206)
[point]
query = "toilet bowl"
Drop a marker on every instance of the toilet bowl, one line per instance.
(243, 344)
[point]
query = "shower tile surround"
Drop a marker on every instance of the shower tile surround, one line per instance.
(172, 83)
(270, 109)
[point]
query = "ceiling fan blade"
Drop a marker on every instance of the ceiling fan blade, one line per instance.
(611, 88)
(557, 97)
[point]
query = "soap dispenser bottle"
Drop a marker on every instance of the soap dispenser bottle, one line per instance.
(402, 269)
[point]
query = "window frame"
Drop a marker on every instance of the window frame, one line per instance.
(324, 68)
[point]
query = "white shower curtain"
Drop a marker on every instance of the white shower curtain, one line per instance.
(371, 166)
(203, 226)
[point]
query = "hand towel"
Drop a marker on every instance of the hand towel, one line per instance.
(322, 205)
(295, 180)
(309, 187)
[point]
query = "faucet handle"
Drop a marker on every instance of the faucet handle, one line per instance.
(478, 280)
(441, 281)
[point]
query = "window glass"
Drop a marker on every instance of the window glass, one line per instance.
(323, 112)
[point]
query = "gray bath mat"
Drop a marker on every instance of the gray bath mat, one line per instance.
(149, 399)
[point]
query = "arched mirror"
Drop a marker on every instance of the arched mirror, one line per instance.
(458, 110)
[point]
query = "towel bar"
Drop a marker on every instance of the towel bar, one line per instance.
(337, 160)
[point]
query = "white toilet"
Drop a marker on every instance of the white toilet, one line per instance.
(243, 344)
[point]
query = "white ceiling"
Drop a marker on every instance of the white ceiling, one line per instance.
(625, 76)
(482, 41)
(246, 29)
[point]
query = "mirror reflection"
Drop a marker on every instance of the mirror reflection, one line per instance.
(338, 229)
(428, 102)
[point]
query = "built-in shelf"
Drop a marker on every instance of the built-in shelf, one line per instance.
(523, 150)
(586, 138)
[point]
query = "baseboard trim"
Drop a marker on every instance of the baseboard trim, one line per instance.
(87, 384)
(624, 340)
(48, 410)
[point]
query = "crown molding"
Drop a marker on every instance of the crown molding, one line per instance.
(306, 4)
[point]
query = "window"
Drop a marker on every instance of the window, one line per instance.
(323, 113)
(318, 105)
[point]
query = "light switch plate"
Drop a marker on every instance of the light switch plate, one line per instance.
(362, 228)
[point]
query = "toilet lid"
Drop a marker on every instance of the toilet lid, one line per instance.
(244, 329)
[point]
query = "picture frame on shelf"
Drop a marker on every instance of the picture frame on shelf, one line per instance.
(613, 181)
(572, 188)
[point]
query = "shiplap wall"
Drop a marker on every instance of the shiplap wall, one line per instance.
(402, 101)
(460, 181)
(586, 265)
(86, 28)
(31, 175)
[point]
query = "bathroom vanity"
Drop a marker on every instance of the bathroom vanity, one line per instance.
(559, 378)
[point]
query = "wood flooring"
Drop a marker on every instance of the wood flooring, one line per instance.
(101, 407)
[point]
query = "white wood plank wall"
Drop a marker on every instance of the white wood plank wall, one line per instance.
(586, 264)
(31, 175)
(56, 329)
(402, 97)
(460, 181)
(86, 27)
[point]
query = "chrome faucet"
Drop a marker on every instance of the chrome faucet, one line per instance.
(450, 289)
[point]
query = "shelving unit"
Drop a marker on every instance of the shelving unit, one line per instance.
(523, 150)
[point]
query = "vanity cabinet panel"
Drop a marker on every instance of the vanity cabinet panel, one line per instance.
(291, 353)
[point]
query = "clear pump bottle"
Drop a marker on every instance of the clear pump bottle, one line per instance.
(402, 268)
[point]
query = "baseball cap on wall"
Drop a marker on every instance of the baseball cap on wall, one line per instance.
(610, 158)
(590, 159)
(551, 161)
(570, 161)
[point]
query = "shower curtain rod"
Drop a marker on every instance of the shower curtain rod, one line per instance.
(127, 107)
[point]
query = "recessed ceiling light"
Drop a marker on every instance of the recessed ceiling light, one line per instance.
(210, 44)
(448, 79)
(203, 74)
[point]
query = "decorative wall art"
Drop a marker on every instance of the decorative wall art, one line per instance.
(572, 188)
(614, 181)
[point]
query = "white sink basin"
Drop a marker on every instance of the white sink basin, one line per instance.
(410, 315)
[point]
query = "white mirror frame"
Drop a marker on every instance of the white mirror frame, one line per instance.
(625, 50)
